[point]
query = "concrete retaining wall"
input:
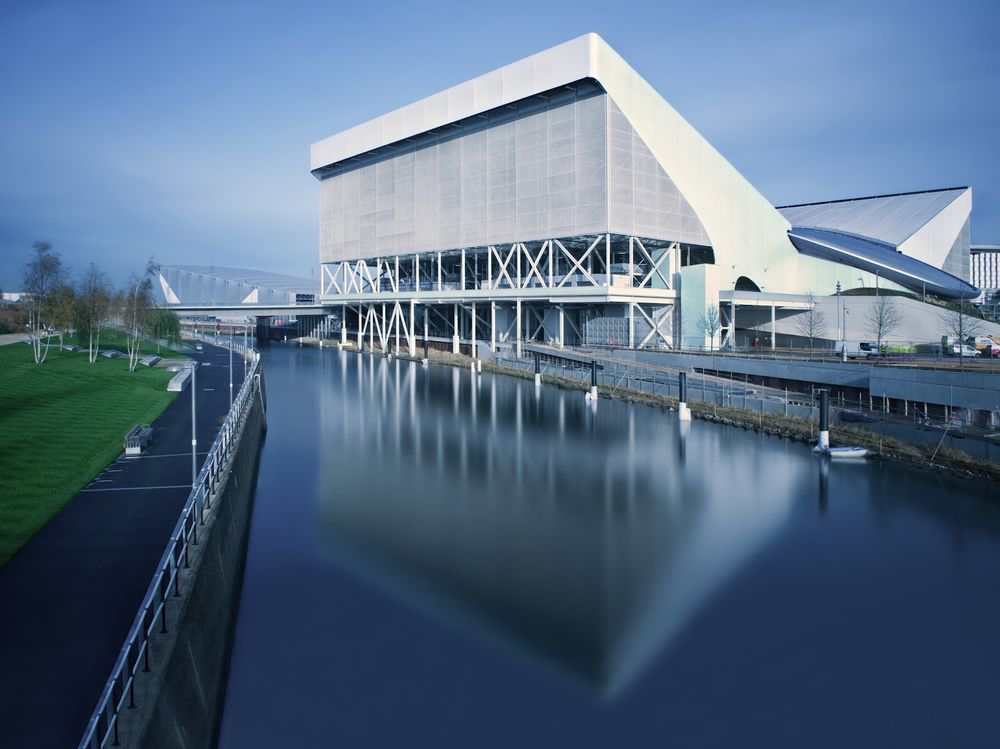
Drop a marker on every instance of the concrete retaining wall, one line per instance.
(180, 705)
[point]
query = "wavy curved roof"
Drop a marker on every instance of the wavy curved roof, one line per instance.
(882, 258)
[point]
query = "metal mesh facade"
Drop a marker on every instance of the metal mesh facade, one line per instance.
(573, 167)
(643, 200)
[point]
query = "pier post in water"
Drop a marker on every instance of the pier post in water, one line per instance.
(683, 412)
(592, 395)
(824, 420)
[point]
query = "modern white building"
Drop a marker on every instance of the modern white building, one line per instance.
(984, 271)
(561, 198)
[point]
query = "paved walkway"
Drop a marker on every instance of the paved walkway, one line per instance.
(69, 596)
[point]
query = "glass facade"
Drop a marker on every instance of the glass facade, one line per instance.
(569, 166)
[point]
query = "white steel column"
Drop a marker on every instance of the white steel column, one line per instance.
(473, 330)
(343, 325)
(416, 272)
(454, 338)
(518, 326)
(493, 327)
(383, 333)
(461, 275)
(631, 322)
(631, 276)
(732, 325)
(607, 259)
(397, 317)
(439, 271)
(551, 254)
(361, 326)
(562, 321)
(412, 333)
(772, 328)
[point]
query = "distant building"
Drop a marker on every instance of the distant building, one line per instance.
(217, 286)
(984, 267)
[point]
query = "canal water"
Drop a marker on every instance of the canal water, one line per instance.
(447, 560)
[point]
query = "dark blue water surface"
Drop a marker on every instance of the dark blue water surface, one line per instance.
(443, 560)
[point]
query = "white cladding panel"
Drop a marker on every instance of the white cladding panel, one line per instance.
(574, 169)
(542, 175)
(933, 240)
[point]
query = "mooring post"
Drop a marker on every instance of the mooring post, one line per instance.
(683, 412)
(538, 372)
(426, 356)
(824, 420)
(592, 395)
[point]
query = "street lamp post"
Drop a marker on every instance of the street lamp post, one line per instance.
(194, 423)
(230, 367)
(843, 346)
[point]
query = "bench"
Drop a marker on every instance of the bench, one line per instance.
(137, 438)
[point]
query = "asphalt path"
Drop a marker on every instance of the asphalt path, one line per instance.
(68, 597)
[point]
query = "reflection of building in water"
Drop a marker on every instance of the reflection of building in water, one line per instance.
(573, 536)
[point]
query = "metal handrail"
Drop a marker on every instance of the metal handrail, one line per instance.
(103, 727)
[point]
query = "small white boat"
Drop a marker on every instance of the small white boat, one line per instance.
(846, 452)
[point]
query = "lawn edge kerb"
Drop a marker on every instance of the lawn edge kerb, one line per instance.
(947, 460)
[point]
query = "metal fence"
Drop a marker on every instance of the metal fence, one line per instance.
(119, 691)
(920, 360)
(885, 417)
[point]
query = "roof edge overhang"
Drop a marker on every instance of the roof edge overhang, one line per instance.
(546, 70)
(881, 258)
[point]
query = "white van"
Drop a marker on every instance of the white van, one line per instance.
(858, 349)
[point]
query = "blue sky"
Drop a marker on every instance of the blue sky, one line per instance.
(182, 130)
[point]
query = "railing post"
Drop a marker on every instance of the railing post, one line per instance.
(164, 584)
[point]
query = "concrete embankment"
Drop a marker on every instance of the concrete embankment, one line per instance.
(179, 700)
(935, 457)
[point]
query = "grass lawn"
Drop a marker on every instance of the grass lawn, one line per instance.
(115, 339)
(61, 423)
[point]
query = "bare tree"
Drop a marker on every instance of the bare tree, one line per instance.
(42, 276)
(93, 309)
(811, 323)
(883, 317)
(710, 324)
(961, 326)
